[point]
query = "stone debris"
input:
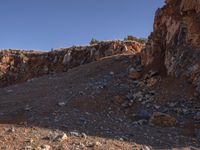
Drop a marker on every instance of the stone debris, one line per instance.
(11, 130)
(61, 104)
(27, 108)
(28, 148)
(84, 135)
(112, 73)
(97, 143)
(163, 120)
(57, 137)
(44, 147)
(74, 133)
(9, 91)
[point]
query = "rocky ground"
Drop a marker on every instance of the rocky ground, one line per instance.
(120, 95)
(103, 105)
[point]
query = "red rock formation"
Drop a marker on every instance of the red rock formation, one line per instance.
(174, 45)
(19, 66)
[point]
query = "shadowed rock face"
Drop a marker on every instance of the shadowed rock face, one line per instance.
(19, 66)
(174, 45)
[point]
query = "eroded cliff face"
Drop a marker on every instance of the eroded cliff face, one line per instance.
(19, 66)
(174, 45)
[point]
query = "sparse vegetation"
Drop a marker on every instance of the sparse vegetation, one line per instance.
(94, 41)
(132, 38)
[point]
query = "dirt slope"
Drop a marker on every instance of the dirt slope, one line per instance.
(97, 106)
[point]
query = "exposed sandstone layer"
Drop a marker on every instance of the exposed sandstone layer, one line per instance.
(174, 45)
(19, 66)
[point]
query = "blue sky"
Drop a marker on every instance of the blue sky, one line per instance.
(46, 24)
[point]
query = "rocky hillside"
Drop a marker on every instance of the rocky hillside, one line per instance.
(19, 66)
(174, 45)
(121, 95)
(103, 105)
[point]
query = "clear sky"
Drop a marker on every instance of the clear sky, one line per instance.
(46, 24)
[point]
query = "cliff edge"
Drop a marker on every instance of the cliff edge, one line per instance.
(174, 45)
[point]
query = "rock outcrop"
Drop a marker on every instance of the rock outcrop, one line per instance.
(19, 66)
(174, 45)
